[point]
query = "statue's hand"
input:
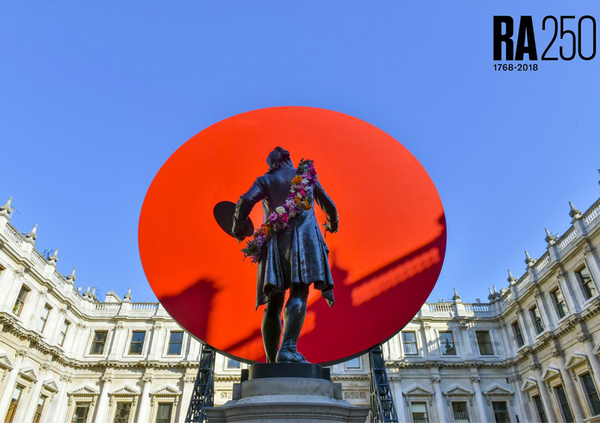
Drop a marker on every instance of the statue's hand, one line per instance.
(332, 226)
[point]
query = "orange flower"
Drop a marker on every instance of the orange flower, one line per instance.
(297, 200)
(306, 206)
(265, 229)
(297, 180)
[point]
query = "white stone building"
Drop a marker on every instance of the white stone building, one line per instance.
(529, 355)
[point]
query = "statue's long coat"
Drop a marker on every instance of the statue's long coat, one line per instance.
(297, 254)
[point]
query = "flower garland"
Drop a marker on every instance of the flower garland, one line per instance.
(295, 203)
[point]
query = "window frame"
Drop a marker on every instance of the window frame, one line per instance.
(412, 416)
(66, 324)
(17, 312)
(466, 403)
(493, 403)
(132, 342)
(405, 342)
(587, 393)
(536, 317)
(129, 403)
(171, 404)
(94, 342)
(560, 404)
(14, 408)
(585, 285)
(518, 333)
(442, 344)
(564, 309)
(490, 342)
(88, 405)
(44, 319)
(174, 343)
(37, 415)
(539, 408)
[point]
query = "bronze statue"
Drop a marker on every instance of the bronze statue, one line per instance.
(295, 257)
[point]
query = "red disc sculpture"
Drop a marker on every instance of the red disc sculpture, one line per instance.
(385, 259)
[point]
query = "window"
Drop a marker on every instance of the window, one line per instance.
(563, 402)
(419, 412)
(137, 342)
(81, 412)
(460, 412)
(18, 307)
(14, 402)
(233, 364)
(537, 319)
(353, 363)
(539, 407)
(175, 342)
(39, 409)
(559, 303)
(163, 414)
(63, 332)
(122, 413)
(409, 340)
(592, 393)
(99, 342)
(585, 279)
(447, 341)
(43, 318)
(484, 342)
(500, 412)
(518, 334)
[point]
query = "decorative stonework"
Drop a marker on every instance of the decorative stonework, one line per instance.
(575, 360)
(417, 392)
(498, 391)
(83, 393)
(356, 395)
(458, 392)
(28, 374)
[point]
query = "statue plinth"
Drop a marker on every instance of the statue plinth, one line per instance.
(275, 392)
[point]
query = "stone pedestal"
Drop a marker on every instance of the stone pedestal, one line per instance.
(289, 392)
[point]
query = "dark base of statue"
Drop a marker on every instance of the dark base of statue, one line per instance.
(289, 392)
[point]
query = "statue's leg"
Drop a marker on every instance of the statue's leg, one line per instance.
(293, 319)
(271, 325)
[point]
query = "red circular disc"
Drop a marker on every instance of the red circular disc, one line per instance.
(385, 259)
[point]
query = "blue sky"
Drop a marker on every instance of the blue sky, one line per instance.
(95, 96)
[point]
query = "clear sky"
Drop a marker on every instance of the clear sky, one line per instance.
(95, 96)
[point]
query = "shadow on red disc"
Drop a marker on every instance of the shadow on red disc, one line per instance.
(385, 259)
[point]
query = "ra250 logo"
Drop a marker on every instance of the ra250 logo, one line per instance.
(570, 32)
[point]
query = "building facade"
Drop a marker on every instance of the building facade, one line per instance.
(530, 354)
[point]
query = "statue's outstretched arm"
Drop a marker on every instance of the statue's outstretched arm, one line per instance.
(323, 200)
(244, 207)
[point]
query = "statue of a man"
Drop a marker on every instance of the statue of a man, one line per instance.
(295, 258)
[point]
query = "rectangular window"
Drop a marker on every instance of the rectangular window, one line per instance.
(585, 279)
(409, 339)
(592, 393)
(353, 363)
(447, 342)
(63, 332)
(537, 319)
(518, 335)
(18, 307)
(99, 342)
(419, 412)
(559, 303)
(43, 318)
(561, 396)
(539, 407)
(163, 414)
(175, 343)
(137, 342)
(500, 412)
(122, 413)
(14, 402)
(81, 412)
(484, 342)
(233, 364)
(460, 412)
(39, 409)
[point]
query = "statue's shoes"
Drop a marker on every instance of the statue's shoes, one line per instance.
(289, 356)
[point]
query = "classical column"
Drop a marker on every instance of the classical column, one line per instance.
(186, 396)
(439, 398)
(521, 400)
(568, 293)
(60, 404)
(481, 408)
(543, 392)
(569, 388)
(525, 328)
(591, 262)
(9, 387)
(468, 347)
(398, 400)
(508, 349)
(102, 407)
(35, 395)
(144, 407)
(546, 315)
